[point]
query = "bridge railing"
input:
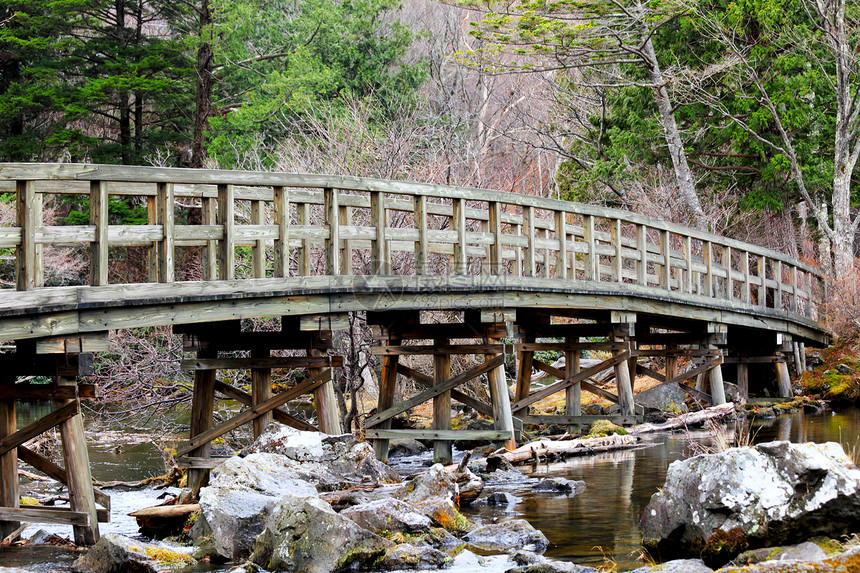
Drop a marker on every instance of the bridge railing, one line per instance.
(213, 225)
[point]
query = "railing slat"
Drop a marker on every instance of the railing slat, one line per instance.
(164, 202)
(227, 245)
(281, 212)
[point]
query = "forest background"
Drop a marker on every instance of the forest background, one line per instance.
(740, 117)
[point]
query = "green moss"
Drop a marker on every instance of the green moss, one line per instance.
(164, 555)
(602, 428)
(28, 501)
(830, 546)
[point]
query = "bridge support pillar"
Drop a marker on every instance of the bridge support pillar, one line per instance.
(8, 460)
(442, 451)
(202, 409)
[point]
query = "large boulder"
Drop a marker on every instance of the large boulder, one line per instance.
(422, 557)
(305, 535)
(117, 554)
(390, 515)
(507, 535)
(715, 506)
(330, 462)
(437, 481)
(847, 562)
(664, 397)
(242, 491)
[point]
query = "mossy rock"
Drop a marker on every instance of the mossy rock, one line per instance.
(603, 428)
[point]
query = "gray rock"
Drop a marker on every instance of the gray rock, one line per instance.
(734, 393)
(715, 506)
(813, 360)
(806, 551)
(677, 566)
(501, 498)
(559, 485)
(401, 448)
(507, 535)
(422, 557)
(388, 515)
(844, 369)
(442, 510)
(437, 481)
(305, 535)
(664, 397)
(117, 554)
(242, 491)
(549, 566)
(41, 536)
(440, 537)
(847, 562)
(330, 462)
(522, 557)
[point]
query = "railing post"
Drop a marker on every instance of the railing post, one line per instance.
(304, 263)
(379, 247)
(99, 220)
(777, 274)
(688, 258)
(258, 251)
(421, 246)
(745, 262)
(152, 272)
(666, 268)
(494, 225)
(761, 269)
(792, 277)
(345, 220)
(727, 264)
(529, 230)
(26, 260)
(592, 264)
(617, 261)
(642, 247)
(8, 461)
(458, 224)
(227, 250)
(164, 202)
(561, 233)
(210, 250)
(332, 244)
(708, 258)
(281, 209)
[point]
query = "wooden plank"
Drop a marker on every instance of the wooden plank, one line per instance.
(379, 255)
(346, 254)
(99, 220)
(494, 226)
(246, 399)
(102, 515)
(458, 224)
(642, 247)
(573, 394)
(442, 435)
(419, 349)
(281, 213)
(261, 391)
(166, 247)
(546, 420)
(427, 382)
(332, 243)
(286, 362)
(317, 322)
(209, 214)
(592, 264)
(438, 389)
(564, 346)
(47, 392)
(227, 245)
(207, 436)
(617, 257)
(442, 452)
(89, 342)
(564, 383)
(200, 463)
(52, 470)
(41, 425)
(422, 245)
(9, 496)
(258, 249)
(693, 372)
(645, 371)
(528, 229)
(387, 389)
(31, 514)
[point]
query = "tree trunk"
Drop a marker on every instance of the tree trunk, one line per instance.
(124, 104)
(205, 82)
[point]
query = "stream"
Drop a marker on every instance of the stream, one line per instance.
(596, 527)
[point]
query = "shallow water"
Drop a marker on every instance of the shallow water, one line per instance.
(591, 528)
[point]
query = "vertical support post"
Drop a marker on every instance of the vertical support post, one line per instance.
(422, 245)
(326, 403)
(258, 250)
(592, 263)
(261, 390)
(202, 407)
(281, 211)
(530, 269)
(573, 394)
(792, 277)
(99, 246)
(379, 246)
(718, 390)
(688, 258)
(227, 250)
(503, 420)
(9, 460)
(345, 220)
(729, 292)
(671, 367)
(746, 292)
(164, 200)
(332, 244)
(304, 215)
(458, 224)
(517, 265)
(666, 267)
(524, 371)
(642, 247)
(494, 225)
(80, 480)
(152, 271)
(708, 258)
(26, 260)
(617, 260)
(784, 379)
(626, 405)
(777, 274)
(210, 250)
(387, 390)
(545, 268)
(442, 406)
(743, 378)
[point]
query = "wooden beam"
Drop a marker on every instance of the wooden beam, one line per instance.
(27, 391)
(89, 342)
(244, 398)
(444, 435)
(166, 246)
(200, 463)
(419, 349)
(693, 372)
(305, 387)
(62, 516)
(99, 220)
(41, 425)
(20, 364)
(645, 371)
(568, 420)
(227, 245)
(427, 382)
(435, 391)
(286, 363)
(313, 322)
(9, 496)
(387, 389)
(53, 471)
(442, 453)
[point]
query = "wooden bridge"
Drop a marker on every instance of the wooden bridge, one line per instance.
(514, 275)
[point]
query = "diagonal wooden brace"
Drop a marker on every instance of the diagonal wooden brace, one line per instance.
(41, 425)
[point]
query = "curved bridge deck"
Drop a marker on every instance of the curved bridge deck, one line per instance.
(518, 274)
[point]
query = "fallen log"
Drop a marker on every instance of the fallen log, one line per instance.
(567, 448)
(163, 520)
(685, 420)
